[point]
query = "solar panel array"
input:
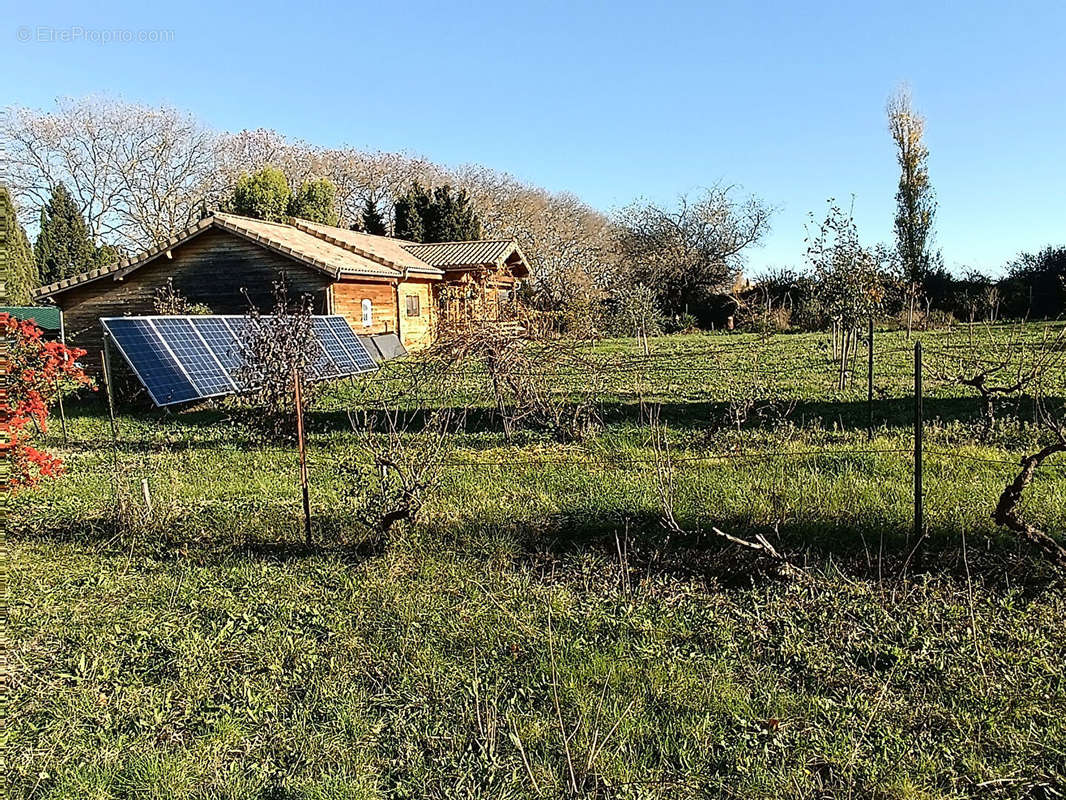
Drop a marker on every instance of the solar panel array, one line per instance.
(179, 359)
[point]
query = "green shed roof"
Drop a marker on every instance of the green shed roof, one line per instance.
(45, 317)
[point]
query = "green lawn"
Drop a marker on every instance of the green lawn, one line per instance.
(538, 629)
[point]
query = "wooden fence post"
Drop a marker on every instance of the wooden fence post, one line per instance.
(918, 430)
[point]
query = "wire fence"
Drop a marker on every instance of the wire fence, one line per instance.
(758, 402)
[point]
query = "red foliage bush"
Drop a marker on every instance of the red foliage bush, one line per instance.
(36, 372)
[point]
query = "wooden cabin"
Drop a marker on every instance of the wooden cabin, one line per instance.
(228, 263)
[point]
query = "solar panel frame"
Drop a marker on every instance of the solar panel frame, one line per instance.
(214, 373)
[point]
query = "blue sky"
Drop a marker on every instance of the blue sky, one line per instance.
(623, 99)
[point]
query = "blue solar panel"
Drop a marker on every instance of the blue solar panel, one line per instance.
(150, 360)
(188, 358)
(333, 346)
(219, 337)
(192, 354)
(322, 366)
(352, 344)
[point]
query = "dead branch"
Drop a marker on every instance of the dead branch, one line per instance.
(1007, 511)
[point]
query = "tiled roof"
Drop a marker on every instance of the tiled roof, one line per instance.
(394, 253)
(316, 251)
(457, 255)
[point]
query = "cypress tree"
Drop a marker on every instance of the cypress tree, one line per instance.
(411, 211)
(64, 247)
(18, 272)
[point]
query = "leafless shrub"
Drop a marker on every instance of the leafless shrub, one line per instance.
(664, 475)
(168, 301)
(750, 394)
(277, 350)
(997, 369)
(521, 376)
(396, 468)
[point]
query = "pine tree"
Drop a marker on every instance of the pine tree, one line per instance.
(64, 247)
(18, 272)
(371, 220)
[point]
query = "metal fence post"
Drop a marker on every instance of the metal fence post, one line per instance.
(918, 429)
(870, 385)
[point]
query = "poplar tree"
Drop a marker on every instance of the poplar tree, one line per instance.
(915, 200)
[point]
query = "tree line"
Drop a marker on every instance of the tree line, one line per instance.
(100, 178)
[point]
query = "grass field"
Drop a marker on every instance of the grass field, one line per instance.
(538, 633)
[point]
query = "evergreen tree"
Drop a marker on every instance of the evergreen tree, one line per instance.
(438, 216)
(455, 219)
(371, 220)
(263, 195)
(64, 247)
(410, 212)
(315, 201)
(18, 272)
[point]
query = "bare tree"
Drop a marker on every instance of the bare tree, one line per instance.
(692, 250)
(137, 173)
(74, 145)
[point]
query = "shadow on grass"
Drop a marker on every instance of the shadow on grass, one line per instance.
(866, 550)
(549, 546)
(223, 428)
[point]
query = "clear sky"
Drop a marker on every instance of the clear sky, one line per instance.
(615, 100)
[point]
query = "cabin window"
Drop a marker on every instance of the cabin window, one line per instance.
(414, 307)
(368, 313)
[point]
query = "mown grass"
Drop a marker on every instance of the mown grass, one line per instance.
(538, 629)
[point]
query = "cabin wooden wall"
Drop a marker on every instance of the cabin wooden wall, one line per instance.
(417, 332)
(211, 269)
(348, 296)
